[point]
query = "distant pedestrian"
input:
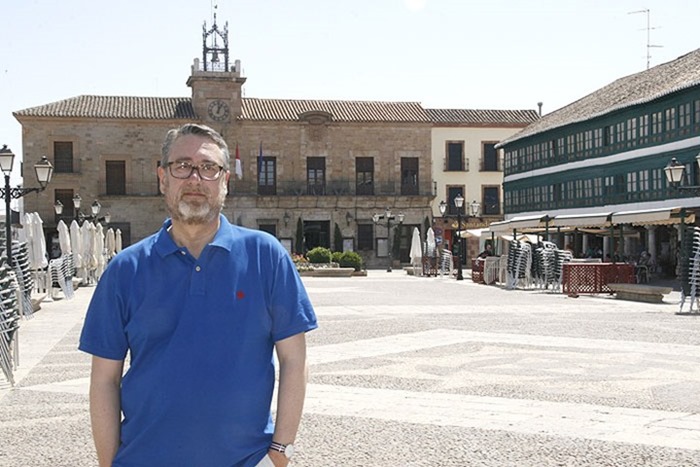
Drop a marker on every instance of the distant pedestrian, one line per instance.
(199, 307)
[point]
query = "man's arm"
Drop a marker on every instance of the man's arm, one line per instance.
(105, 407)
(291, 353)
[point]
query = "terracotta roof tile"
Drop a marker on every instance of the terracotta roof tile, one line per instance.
(342, 111)
(119, 107)
(640, 88)
(482, 116)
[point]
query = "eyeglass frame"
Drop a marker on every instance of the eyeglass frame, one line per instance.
(196, 167)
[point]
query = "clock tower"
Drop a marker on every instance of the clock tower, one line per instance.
(216, 84)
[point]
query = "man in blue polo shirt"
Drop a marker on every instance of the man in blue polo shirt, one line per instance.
(199, 307)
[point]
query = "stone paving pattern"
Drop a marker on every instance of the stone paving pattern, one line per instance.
(410, 371)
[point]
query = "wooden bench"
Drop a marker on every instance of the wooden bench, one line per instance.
(640, 292)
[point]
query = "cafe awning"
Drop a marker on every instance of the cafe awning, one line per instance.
(662, 216)
(581, 220)
(518, 223)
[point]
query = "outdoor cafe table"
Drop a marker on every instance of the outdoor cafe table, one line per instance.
(594, 278)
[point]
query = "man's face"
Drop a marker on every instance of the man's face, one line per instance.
(194, 200)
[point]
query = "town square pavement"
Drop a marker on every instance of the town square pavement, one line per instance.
(413, 371)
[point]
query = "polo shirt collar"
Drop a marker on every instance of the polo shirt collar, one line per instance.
(165, 245)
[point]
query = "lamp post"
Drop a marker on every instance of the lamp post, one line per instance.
(43, 170)
(675, 172)
(95, 208)
(388, 216)
(459, 202)
(474, 208)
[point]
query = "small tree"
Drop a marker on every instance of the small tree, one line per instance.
(396, 244)
(299, 241)
(319, 255)
(350, 259)
(337, 239)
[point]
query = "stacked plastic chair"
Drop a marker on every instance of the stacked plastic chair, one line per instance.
(9, 321)
(690, 270)
(519, 264)
(543, 265)
(61, 276)
(24, 277)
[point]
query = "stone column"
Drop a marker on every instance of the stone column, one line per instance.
(651, 242)
(584, 244)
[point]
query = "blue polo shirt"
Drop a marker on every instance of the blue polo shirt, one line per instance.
(200, 333)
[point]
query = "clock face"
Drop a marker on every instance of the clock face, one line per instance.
(218, 110)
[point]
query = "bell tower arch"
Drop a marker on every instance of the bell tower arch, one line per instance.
(217, 86)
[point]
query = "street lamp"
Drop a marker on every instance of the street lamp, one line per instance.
(474, 208)
(459, 202)
(675, 172)
(388, 216)
(43, 170)
(95, 208)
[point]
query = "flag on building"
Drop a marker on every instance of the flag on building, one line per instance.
(239, 167)
(260, 160)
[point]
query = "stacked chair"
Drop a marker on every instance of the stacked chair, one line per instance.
(548, 266)
(519, 264)
(9, 321)
(690, 269)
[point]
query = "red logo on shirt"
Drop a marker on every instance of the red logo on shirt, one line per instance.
(240, 295)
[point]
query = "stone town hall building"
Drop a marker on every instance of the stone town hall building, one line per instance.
(326, 166)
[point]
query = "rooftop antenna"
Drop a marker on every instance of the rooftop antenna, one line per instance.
(648, 29)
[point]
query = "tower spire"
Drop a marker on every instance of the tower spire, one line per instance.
(214, 42)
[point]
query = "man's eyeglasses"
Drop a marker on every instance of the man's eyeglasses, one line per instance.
(205, 170)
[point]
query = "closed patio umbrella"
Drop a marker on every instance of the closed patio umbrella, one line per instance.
(64, 238)
(118, 240)
(416, 253)
(100, 251)
(110, 243)
(76, 244)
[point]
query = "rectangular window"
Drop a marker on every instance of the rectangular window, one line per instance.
(365, 237)
(598, 138)
(632, 132)
(455, 156)
(620, 132)
(409, 175)
(643, 129)
(588, 140)
(490, 155)
(115, 177)
(570, 146)
(579, 145)
(316, 176)
(657, 179)
(670, 119)
(657, 123)
(561, 149)
(684, 115)
(63, 156)
(267, 177)
(631, 182)
(364, 176)
(608, 137)
(696, 111)
(491, 204)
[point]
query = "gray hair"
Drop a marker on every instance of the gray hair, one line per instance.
(197, 130)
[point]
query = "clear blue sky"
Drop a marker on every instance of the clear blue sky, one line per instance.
(501, 54)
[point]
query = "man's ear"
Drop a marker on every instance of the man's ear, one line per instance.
(161, 178)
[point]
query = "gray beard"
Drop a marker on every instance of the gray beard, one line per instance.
(194, 215)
